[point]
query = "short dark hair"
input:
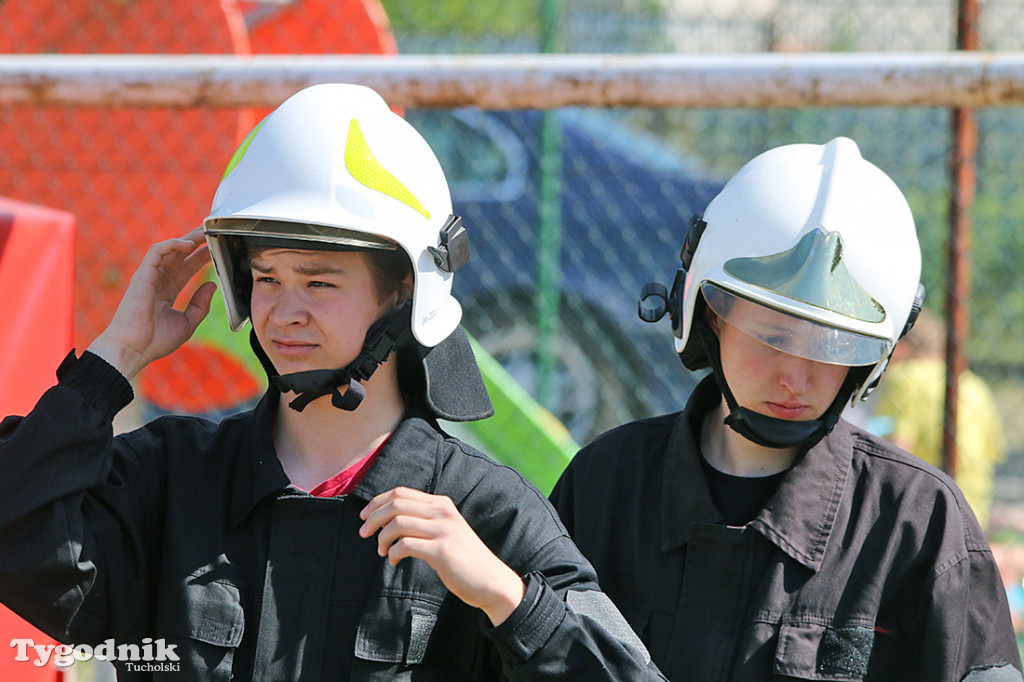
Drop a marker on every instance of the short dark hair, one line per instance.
(389, 268)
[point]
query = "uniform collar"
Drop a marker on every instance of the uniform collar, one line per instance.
(258, 471)
(798, 519)
(685, 497)
(408, 458)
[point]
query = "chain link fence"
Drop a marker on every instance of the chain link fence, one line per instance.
(570, 211)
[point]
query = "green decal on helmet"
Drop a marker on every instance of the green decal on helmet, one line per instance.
(360, 162)
(240, 152)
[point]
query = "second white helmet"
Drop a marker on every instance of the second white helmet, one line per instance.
(820, 236)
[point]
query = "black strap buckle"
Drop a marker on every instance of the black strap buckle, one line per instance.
(385, 335)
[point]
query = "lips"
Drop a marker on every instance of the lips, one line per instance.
(292, 347)
(787, 410)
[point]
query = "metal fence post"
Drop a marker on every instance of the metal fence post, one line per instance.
(963, 171)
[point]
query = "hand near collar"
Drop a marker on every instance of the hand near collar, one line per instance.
(413, 523)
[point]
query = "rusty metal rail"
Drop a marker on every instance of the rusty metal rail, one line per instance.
(947, 79)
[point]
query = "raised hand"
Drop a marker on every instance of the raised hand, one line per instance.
(413, 523)
(146, 326)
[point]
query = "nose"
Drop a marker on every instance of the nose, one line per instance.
(794, 373)
(289, 308)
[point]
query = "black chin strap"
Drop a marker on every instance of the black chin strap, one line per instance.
(319, 382)
(762, 429)
(772, 432)
(385, 335)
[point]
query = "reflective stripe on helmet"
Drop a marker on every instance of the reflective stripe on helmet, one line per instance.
(365, 168)
(240, 152)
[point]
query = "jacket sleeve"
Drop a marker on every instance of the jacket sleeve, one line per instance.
(572, 633)
(565, 627)
(67, 485)
(967, 634)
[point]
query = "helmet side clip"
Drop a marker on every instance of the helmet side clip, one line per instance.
(915, 310)
(453, 251)
(654, 299)
(694, 231)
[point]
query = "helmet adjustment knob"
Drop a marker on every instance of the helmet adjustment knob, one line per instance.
(653, 302)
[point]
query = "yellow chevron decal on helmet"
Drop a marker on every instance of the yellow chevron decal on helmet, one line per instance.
(360, 162)
(240, 152)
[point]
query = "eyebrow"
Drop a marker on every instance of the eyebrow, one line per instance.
(308, 269)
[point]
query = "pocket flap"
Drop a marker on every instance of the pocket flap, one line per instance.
(395, 630)
(810, 651)
(209, 612)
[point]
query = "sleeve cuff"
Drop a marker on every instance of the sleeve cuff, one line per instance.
(100, 383)
(530, 626)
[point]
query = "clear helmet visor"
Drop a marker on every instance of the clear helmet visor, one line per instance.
(794, 335)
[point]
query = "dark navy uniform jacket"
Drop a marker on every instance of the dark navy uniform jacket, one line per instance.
(189, 531)
(866, 564)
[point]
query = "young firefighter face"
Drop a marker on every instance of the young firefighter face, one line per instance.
(312, 309)
(784, 385)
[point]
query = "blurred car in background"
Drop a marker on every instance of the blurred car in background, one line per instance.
(625, 203)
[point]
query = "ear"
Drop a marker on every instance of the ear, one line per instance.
(404, 291)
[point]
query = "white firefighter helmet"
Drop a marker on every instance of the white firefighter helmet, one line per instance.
(823, 242)
(333, 166)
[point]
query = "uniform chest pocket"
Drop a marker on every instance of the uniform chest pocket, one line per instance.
(839, 653)
(204, 620)
(399, 634)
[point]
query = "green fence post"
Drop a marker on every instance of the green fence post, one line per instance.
(549, 247)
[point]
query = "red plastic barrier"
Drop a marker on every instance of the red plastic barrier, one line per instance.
(37, 267)
(37, 250)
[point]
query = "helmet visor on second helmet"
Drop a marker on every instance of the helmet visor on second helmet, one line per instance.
(794, 335)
